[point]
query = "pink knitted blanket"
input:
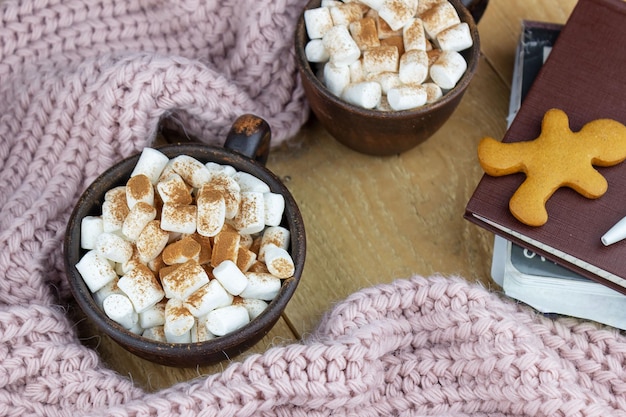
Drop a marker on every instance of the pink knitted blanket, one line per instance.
(84, 83)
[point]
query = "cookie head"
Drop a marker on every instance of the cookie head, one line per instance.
(557, 158)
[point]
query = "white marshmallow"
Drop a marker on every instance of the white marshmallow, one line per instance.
(214, 167)
(138, 217)
(153, 316)
(96, 270)
(413, 35)
(424, 5)
(211, 212)
(249, 183)
(255, 307)
(139, 188)
(455, 38)
(232, 279)
(227, 319)
(261, 286)
(382, 27)
(150, 163)
(356, 72)
(251, 216)
(336, 79)
(173, 189)
(179, 218)
(433, 92)
(184, 280)
(119, 309)
(448, 69)
(155, 333)
(365, 94)
(342, 48)
(276, 235)
(413, 67)
(181, 251)
(151, 241)
(387, 80)
(440, 16)
(106, 290)
(114, 247)
(381, 59)
(364, 33)
(114, 213)
(274, 207)
(346, 13)
(207, 298)
(396, 13)
(178, 322)
(90, 228)
(373, 4)
(317, 22)
(141, 287)
(192, 171)
(407, 97)
(279, 262)
(137, 329)
(230, 189)
(315, 51)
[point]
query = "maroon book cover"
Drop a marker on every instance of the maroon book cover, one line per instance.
(585, 76)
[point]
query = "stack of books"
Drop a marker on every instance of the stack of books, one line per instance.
(562, 267)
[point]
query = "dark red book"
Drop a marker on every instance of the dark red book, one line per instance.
(585, 76)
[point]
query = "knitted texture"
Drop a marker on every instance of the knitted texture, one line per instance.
(84, 83)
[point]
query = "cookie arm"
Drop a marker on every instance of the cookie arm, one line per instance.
(497, 158)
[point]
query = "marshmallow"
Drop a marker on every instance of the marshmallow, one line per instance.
(433, 92)
(245, 259)
(455, 38)
(373, 4)
(173, 189)
(413, 35)
(184, 280)
(342, 48)
(141, 287)
(261, 286)
(207, 298)
(90, 228)
(406, 97)
(387, 80)
(211, 212)
(200, 333)
(227, 319)
(315, 51)
(151, 163)
(139, 188)
(138, 217)
(395, 41)
(364, 33)
(273, 208)
(181, 251)
(251, 216)
(178, 322)
(153, 316)
(383, 29)
(254, 306)
(336, 79)
(413, 67)
(380, 59)
(365, 94)
(396, 13)
(151, 241)
(249, 183)
(230, 189)
(155, 333)
(192, 171)
(206, 247)
(106, 290)
(448, 69)
(346, 13)
(225, 246)
(118, 308)
(277, 236)
(215, 168)
(317, 22)
(424, 5)
(279, 262)
(96, 270)
(356, 72)
(179, 218)
(114, 211)
(231, 278)
(114, 247)
(440, 16)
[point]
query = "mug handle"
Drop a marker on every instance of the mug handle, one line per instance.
(250, 135)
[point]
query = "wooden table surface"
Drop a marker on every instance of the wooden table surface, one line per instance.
(371, 220)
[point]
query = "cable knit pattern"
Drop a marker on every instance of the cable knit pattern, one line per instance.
(84, 83)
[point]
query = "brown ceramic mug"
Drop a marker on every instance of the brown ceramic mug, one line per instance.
(246, 149)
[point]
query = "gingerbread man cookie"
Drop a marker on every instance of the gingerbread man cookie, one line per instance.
(557, 158)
